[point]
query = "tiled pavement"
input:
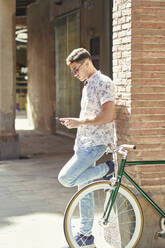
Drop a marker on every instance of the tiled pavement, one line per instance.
(32, 202)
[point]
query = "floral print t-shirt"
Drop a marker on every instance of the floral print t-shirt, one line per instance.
(98, 90)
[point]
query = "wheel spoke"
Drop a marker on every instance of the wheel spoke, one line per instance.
(122, 230)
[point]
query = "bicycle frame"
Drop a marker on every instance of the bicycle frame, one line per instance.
(122, 173)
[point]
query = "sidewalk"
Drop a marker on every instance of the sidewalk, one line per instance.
(32, 200)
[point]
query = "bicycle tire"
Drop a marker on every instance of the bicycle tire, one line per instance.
(126, 217)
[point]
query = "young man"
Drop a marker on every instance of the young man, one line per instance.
(95, 130)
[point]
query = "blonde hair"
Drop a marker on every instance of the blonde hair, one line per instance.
(77, 55)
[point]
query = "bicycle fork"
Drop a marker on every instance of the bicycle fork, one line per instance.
(110, 204)
(114, 193)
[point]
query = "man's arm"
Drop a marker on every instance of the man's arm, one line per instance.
(106, 115)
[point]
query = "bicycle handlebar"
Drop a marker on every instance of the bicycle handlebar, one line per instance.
(127, 146)
(122, 149)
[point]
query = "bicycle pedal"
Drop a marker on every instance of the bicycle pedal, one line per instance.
(160, 235)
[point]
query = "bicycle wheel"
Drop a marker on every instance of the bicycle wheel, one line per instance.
(125, 223)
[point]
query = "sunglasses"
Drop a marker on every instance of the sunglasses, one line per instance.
(75, 71)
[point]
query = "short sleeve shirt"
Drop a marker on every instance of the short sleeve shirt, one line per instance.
(98, 90)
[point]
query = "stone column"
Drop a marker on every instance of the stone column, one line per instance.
(9, 145)
(41, 87)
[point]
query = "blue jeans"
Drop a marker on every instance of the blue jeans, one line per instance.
(79, 171)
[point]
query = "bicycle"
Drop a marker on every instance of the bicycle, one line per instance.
(118, 216)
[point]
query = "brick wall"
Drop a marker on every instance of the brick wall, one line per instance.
(148, 78)
(147, 124)
(139, 74)
(122, 66)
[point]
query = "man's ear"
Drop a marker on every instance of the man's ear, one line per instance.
(87, 62)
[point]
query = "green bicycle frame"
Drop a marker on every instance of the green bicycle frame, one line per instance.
(122, 173)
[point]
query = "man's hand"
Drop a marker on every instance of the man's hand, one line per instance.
(71, 122)
(106, 115)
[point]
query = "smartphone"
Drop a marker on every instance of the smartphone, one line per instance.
(58, 119)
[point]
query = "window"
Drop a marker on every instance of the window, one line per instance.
(95, 51)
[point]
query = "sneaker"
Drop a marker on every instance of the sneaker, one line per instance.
(109, 174)
(84, 241)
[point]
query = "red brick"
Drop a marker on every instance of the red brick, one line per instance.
(146, 132)
(157, 175)
(145, 75)
(151, 4)
(148, 47)
(142, 89)
(148, 104)
(156, 68)
(143, 120)
(148, 18)
(148, 96)
(148, 82)
(147, 155)
(148, 54)
(155, 168)
(147, 25)
(150, 147)
(148, 111)
(148, 61)
(148, 140)
(145, 124)
(153, 182)
(136, 32)
(148, 40)
(148, 11)
(148, 117)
